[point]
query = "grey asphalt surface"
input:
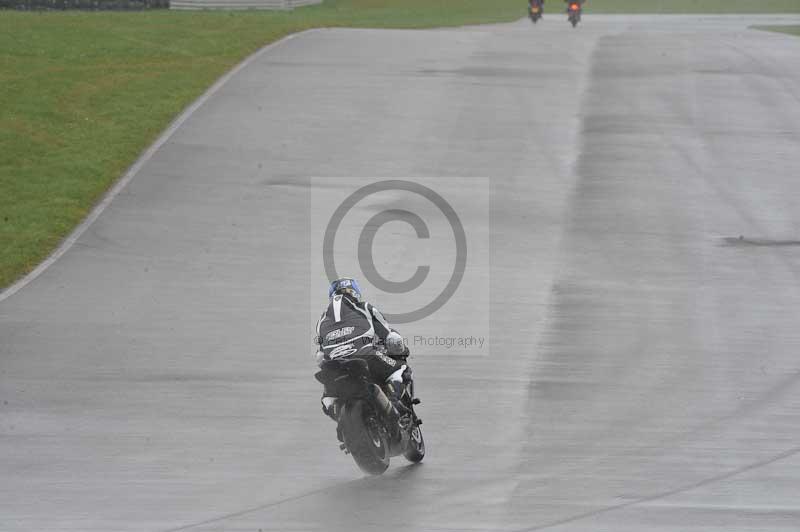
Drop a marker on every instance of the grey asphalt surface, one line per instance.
(642, 371)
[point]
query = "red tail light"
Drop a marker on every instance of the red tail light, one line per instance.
(573, 7)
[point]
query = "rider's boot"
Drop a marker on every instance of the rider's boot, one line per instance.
(329, 408)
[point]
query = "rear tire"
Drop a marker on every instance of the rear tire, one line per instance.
(415, 451)
(365, 439)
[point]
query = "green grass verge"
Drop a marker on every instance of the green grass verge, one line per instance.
(791, 30)
(693, 6)
(82, 94)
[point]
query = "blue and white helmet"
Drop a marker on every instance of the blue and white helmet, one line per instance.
(345, 285)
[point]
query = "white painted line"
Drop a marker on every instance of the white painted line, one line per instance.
(140, 162)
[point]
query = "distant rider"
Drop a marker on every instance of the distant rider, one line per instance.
(350, 328)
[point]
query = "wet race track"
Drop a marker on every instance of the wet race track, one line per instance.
(629, 195)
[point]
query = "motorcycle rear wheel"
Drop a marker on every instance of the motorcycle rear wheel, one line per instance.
(364, 439)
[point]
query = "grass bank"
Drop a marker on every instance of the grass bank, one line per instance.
(791, 30)
(82, 94)
(693, 6)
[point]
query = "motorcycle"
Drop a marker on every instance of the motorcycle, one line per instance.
(367, 424)
(535, 10)
(574, 13)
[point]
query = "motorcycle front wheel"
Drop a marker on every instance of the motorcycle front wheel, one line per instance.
(415, 451)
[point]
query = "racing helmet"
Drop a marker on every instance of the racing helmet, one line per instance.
(347, 286)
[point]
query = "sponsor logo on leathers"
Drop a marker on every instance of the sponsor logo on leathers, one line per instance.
(338, 333)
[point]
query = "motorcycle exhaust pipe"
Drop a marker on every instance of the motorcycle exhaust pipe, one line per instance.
(383, 401)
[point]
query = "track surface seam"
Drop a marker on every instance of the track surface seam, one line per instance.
(688, 487)
(258, 508)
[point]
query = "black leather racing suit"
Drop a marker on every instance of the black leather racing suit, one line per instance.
(349, 328)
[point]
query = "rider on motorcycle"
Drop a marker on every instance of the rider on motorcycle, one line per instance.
(350, 328)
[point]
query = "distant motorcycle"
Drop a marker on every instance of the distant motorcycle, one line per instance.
(367, 425)
(535, 10)
(574, 13)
